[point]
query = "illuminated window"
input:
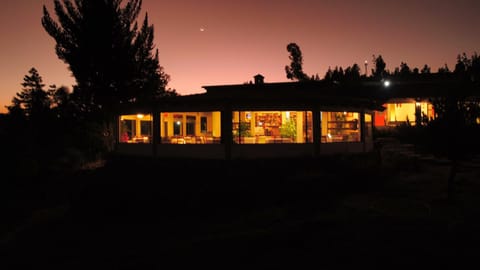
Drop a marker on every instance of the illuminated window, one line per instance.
(135, 128)
(267, 127)
(191, 127)
(203, 124)
(177, 125)
(145, 128)
(340, 127)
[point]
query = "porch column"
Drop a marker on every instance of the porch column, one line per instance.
(156, 131)
(226, 128)
(362, 131)
(317, 131)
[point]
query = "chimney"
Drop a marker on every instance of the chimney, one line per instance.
(258, 79)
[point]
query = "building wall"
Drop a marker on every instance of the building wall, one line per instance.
(207, 143)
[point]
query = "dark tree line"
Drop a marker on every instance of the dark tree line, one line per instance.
(467, 68)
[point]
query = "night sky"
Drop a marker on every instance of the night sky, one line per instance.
(213, 42)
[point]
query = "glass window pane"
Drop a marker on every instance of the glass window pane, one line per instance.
(340, 127)
(191, 127)
(264, 127)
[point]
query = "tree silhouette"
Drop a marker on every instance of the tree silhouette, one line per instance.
(425, 69)
(338, 74)
(463, 62)
(152, 77)
(444, 69)
(468, 68)
(328, 74)
(295, 71)
(404, 69)
(352, 73)
(31, 111)
(111, 59)
(379, 71)
(33, 101)
(315, 77)
(474, 69)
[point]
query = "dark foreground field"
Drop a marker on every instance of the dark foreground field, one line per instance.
(334, 212)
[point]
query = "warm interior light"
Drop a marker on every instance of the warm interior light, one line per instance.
(139, 116)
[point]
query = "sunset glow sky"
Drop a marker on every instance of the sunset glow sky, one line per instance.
(210, 42)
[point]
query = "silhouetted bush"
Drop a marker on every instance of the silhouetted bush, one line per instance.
(438, 138)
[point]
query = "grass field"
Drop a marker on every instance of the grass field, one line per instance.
(333, 212)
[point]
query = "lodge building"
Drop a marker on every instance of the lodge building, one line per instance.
(268, 120)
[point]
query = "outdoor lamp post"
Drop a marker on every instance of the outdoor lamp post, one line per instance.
(366, 65)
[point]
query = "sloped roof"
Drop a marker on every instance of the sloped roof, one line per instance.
(290, 94)
(365, 94)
